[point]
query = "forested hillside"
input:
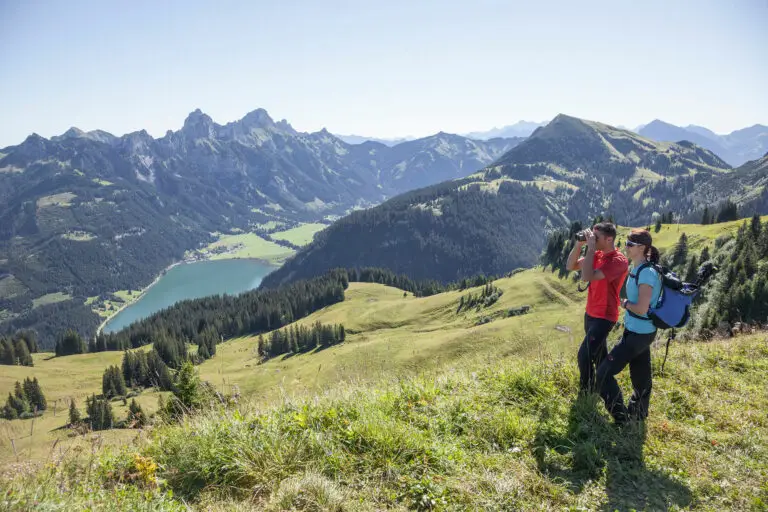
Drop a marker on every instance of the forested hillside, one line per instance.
(447, 232)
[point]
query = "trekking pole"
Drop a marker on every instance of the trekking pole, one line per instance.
(666, 351)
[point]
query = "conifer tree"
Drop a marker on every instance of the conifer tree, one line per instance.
(34, 394)
(136, 414)
(70, 343)
(18, 400)
(100, 414)
(21, 352)
(187, 388)
(158, 374)
(691, 269)
(681, 251)
(10, 411)
(7, 352)
(755, 227)
(113, 383)
(74, 413)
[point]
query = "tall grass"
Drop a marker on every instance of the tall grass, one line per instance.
(509, 435)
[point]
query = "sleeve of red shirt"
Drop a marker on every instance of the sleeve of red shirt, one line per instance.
(614, 268)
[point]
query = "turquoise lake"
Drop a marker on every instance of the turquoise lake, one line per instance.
(192, 281)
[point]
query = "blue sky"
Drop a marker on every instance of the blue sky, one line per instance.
(376, 68)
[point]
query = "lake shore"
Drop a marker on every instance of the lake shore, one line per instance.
(138, 296)
(187, 261)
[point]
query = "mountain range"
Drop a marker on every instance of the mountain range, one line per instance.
(736, 148)
(497, 219)
(520, 129)
(359, 139)
(87, 213)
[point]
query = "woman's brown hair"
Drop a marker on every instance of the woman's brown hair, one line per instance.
(643, 237)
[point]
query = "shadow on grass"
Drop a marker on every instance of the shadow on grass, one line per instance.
(589, 445)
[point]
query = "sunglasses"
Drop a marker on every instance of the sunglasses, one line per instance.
(632, 244)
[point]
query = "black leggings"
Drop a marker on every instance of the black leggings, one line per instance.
(634, 350)
(592, 350)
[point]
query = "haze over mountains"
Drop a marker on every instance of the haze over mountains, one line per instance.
(736, 148)
(520, 129)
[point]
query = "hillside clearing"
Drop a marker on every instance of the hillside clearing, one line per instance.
(300, 235)
(246, 245)
(50, 298)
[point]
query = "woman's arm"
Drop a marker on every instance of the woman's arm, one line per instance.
(644, 294)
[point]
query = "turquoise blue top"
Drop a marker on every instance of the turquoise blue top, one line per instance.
(648, 276)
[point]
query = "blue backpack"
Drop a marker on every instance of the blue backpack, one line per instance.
(673, 307)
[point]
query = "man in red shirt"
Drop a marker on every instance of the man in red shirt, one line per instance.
(605, 269)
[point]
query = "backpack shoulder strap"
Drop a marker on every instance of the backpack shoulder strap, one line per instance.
(640, 269)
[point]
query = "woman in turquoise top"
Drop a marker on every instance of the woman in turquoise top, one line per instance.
(634, 348)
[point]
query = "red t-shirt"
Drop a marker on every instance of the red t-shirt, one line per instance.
(603, 296)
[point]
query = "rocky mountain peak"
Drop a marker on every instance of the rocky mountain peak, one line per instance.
(73, 132)
(199, 126)
(259, 118)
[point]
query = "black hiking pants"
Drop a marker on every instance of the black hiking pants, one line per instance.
(592, 350)
(634, 350)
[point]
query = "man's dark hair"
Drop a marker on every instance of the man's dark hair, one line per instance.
(606, 228)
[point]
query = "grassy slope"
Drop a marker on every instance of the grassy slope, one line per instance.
(389, 333)
(698, 235)
(508, 434)
(249, 245)
(61, 379)
(569, 455)
(300, 235)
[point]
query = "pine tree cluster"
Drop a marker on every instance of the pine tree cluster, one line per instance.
(113, 383)
(299, 338)
(19, 349)
(69, 343)
(136, 416)
(146, 369)
(741, 290)
(26, 400)
(206, 342)
(100, 414)
(487, 297)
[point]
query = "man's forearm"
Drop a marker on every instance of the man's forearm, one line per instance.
(587, 271)
(573, 257)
